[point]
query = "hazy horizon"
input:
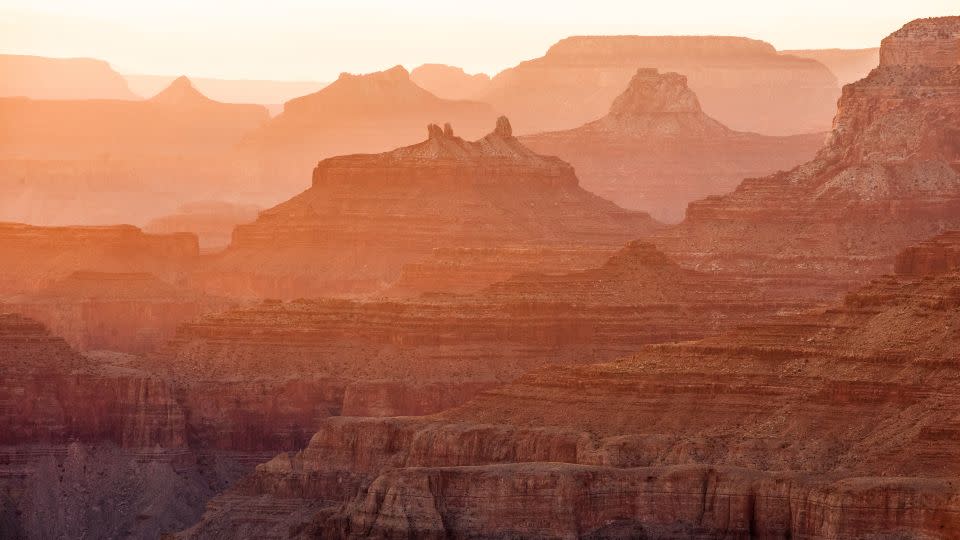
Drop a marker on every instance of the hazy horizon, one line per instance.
(299, 40)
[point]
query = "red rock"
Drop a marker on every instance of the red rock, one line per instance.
(743, 83)
(131, 313)
(656, 150)
(836, 423)
(366, 216)
(888, 177)
(36, 257)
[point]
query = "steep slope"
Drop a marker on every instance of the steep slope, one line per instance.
(656, 150)
(365, 216)
(38, 77)
(849, 65)
(356, 113)
(839, 423)
(450, 82)
(743, 83)
(888, 177)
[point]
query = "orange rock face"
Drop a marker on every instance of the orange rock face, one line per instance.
(742, 83)
(656, 150)
(37, 77)
(366, 216)
(212, 221)
(810, 425)
(888, 177)
(127, 312)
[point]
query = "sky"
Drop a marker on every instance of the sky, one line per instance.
(316, 40)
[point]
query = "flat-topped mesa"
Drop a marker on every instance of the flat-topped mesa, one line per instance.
(495, 157)
(658, 104)
(938, 255)
(589, 49)
(924, 42)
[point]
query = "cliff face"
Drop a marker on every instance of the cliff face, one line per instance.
(35, 257)
(211, 221)
(656, 150)
(835, 423)
(126, 312)
(742, 83)
(366, 216)
(889, 176)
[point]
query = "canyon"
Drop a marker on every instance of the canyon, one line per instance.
(38, 77)
(888, 177)
(743, 83)
(830, 423)
(656, 150)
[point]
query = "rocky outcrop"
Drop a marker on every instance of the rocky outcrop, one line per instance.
(36, 257)
(888, 177)
(656, 150)
(450, 82)
(933, 42)
(37, 77)
(743, 83)
(849, 65)
(833, 423)
(366, 216)
(271, 94)
(127, 312)
(356, 113)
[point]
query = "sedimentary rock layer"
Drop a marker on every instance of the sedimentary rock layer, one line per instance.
(836, 423)
(656, 150)
(366, 216)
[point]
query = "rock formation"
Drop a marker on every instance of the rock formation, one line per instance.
(365, 216)
(126, 312)
(849, 65)
(888, 176)
(37, 77)
(266, 93)
(35, 257)
(356, 113)
(743, 83)
(450, 82)
(656, 150)
(837, 423)
(212, 221)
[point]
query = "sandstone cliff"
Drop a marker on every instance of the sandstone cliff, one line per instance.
(365, 216)
(656, 150)
(743, 83)
(829, 424)
(888, 176)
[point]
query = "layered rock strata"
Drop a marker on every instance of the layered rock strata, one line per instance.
(656, 150)
(888, 177)
(366, 216)
(828, 424)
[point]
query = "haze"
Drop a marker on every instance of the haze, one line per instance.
(299, 39)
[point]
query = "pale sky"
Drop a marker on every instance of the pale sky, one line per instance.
(316, 40)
